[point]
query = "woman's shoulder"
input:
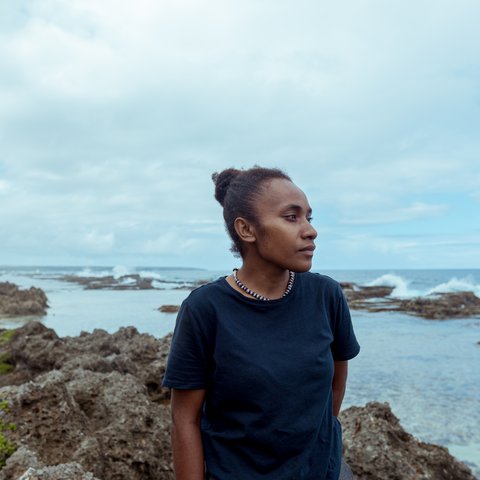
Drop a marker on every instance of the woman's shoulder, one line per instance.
(319, 280)
(204, 294)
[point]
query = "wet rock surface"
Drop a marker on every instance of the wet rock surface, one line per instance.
(125, 282)
(377, 447)
(438, 306)
(16, 302)
(92, 407)
(169, 308)
(132, 281)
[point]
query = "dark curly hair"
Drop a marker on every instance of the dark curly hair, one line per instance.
(237, 192)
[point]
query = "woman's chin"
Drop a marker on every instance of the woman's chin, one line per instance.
(306, 267)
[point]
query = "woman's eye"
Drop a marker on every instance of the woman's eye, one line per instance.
(309, 219)
(291, 218)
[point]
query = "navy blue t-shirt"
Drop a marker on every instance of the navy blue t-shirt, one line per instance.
(267, 367)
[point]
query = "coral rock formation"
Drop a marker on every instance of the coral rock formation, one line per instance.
(92, 407)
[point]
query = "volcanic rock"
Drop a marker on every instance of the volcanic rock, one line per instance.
(16, 302)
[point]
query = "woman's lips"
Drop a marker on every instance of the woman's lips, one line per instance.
(308, 250)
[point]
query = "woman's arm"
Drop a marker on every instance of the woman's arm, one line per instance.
(339, 384)
(187, 446)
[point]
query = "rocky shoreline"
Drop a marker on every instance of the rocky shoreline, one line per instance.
(15, 302)
(132, 281)
(92, 407)
(439, 306)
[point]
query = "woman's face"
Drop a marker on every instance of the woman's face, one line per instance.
(284, 236)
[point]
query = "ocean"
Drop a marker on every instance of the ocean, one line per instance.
(427, 370)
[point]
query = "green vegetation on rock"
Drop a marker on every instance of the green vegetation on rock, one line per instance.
(6, 446)
(5, 365)
(6, 336)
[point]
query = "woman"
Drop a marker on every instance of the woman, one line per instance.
(258, 362)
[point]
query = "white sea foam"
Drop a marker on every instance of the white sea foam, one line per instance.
(399, 284)
(117, 272)
(127, 281)
(455, 284)
(120, 271)
(88, 272)
(150, 274)
(163, 285)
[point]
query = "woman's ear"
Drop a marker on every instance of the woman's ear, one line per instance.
(244, 230)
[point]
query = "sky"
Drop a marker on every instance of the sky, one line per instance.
(114, 115)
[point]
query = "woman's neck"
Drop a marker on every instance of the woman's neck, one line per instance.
(268, 282)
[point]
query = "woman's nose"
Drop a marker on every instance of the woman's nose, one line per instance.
(310, 232)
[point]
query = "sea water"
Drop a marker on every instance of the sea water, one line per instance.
(427, 370)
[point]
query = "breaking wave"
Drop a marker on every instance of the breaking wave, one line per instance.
(457, 285)
(399, 284)
(402, 289)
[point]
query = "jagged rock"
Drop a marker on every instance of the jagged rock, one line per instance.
(16, 302)
(35, 349)
(95, 399)
(377, 448)
(92, 407)
(24, 465)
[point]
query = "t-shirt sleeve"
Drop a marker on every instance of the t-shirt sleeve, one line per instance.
(345, 345)
(189, 360)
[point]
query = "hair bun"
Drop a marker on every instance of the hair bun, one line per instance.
(222, 181)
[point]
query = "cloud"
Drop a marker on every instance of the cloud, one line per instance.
(114, 115)
(475, 196)
(168, 243)
(4, 187)
(98, 242)
(409, 251)
(415, 211)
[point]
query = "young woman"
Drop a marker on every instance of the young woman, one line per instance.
(258, 362)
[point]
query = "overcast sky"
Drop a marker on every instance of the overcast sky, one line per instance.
(114, 114)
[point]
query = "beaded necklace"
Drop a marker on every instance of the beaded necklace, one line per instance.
(291, 278)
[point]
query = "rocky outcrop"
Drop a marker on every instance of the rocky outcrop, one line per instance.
(15, 302)
(169, 308)
(438, 306)
(109, 282)
(132, 281)
(24, 465)
(94, 400)
(443, 305)
(92, 407)
(377, 447)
